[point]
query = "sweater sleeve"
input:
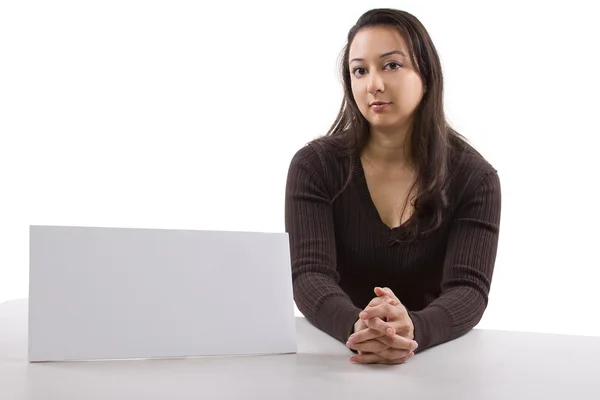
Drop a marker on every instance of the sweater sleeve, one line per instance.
(468, 268)
(310, 225)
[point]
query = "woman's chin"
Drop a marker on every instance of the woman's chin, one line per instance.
(384, 124)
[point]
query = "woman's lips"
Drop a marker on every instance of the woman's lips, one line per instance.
(379, 105)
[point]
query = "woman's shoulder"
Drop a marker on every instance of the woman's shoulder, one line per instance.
(468, 167)
(323, 164)
(325, 155)
(467, 157)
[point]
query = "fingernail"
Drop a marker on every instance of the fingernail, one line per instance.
(362, 314)
(353, 359)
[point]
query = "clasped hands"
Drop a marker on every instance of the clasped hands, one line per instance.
(384, 332)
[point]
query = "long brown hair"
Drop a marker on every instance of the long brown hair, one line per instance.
(432, 139)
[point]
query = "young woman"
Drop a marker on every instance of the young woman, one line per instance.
(393, 217)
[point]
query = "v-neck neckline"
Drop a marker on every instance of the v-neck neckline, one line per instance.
(390, 235)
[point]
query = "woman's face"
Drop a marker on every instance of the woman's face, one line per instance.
(385, 84)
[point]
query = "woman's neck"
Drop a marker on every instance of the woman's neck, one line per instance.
(390, 150)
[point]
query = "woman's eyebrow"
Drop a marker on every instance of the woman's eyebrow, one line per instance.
(389, 53)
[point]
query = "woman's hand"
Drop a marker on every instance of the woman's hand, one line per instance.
(384, 332)
(361, 325)
(394, 312)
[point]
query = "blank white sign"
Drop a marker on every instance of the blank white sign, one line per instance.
(113, 293)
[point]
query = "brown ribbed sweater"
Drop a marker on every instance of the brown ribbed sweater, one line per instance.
(342, 250)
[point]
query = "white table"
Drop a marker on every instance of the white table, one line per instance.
(482, 365)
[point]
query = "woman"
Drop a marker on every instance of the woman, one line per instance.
(393, 217)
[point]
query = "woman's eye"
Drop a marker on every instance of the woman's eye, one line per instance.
(394, 65)
(359, 71)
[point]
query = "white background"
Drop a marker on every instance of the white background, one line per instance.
(171, 114)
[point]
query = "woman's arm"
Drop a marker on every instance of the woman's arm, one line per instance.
(468, 268)
(309, 223)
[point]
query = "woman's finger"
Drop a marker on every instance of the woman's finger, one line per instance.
(393, 354)
(370, 346)
(381, 300)
(401, 360)
(371, 358)
(363, 336)
(368, 358)
(356, 340)
(384, 310)
(399, 342)
(378, 324)
(379, 291)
